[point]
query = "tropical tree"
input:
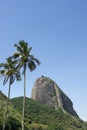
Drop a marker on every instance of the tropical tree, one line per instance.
(24, 60)
(9, 74)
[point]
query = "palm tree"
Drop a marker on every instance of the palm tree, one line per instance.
(9, 73)
(24, 60)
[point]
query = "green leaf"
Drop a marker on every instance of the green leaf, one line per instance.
(5, 80)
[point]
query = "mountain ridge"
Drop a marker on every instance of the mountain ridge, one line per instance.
(46, 91)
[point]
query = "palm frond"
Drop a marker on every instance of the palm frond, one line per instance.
(18, 76)
(35, 60)
(2, 72)
(9, 60)
(23, 44)
(12, 79)
(16, 55)
(5, 80)
(29, 49)
(24, 47)
(19, 65)
(16, 45)
(31, 65)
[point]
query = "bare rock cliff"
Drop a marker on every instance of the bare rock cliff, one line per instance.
(48, 92)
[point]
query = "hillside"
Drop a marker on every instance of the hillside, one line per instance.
(13, 120)
(37, 116)
(41, 117)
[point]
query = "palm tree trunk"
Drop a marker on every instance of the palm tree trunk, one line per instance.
(23, 110)
(3, 126)
(4, 122)
(8, 98)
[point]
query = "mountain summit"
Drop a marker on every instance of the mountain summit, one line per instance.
(46, 91)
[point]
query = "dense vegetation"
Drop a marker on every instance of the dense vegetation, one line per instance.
(13, 121)
(37, 116)
(41, 117)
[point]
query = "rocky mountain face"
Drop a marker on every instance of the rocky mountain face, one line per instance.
(48, 92)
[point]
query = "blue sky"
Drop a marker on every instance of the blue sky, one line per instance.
(57, 32)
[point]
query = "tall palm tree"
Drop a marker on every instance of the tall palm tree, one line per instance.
(24, 60)
(9, 73)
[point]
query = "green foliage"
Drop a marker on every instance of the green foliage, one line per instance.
(37, 114)
(12, 122)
